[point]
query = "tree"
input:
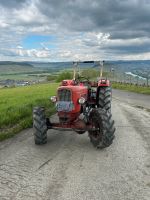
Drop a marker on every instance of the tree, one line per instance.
(90, 73)
(64, 75)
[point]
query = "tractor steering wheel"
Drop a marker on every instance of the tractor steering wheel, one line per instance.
(82, 79)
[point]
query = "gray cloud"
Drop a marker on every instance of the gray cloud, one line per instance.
(12, 3)
(118, 17)
(87, 27)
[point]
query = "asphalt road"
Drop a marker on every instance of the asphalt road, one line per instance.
(68, 167)
(132, 98)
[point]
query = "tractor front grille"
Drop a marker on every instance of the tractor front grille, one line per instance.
(64, 95)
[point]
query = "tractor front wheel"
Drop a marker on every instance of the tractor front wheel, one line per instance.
(39, 125)
(104, 134)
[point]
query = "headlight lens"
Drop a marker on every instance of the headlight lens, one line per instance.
(53, 99)
(81, 100)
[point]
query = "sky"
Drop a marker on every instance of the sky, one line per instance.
(73, 30)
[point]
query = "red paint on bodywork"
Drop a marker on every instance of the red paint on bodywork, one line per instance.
(67, 82)
(76, 93)
(72, 126)
(104, 82)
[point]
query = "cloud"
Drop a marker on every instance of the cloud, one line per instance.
(12, 4)
(87, 29)
(115, 16)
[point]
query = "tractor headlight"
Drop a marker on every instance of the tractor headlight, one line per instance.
(53, 99)
(81, 100)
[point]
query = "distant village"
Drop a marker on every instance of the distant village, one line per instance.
(15, 83)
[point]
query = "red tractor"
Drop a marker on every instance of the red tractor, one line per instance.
(82, 105)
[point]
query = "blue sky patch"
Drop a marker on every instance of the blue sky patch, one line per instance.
(35, 41)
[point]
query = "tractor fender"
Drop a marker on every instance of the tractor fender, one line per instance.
(103, 83)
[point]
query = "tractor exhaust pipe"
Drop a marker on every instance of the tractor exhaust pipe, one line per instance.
(75, 64)
(101, 68)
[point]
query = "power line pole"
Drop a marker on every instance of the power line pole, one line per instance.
(124, 77)
(137, 81)
(147, 80)
(130, 79)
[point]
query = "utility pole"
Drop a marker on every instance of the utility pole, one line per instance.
(137, 81)
(113, 75)
(147, 80)
(130, 79)
(101, 68)
(124, 77)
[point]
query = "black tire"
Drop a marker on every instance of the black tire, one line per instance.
(104, 98)
(39, 125)
(101, 120)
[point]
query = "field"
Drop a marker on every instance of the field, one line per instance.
(16, 106)
(132, 88)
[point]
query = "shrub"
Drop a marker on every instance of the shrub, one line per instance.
(64, 75)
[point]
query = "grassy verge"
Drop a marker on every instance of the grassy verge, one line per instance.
(132, 88)
(16, 106)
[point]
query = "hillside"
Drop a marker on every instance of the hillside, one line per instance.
(8, 67)
(138, 67)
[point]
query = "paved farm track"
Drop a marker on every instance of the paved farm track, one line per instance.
(68, 167)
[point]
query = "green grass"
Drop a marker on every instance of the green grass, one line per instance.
(132, 88)
(16, 106)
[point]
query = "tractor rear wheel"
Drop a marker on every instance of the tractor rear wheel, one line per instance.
(39, 125)
(104, 98)
(104, 134)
